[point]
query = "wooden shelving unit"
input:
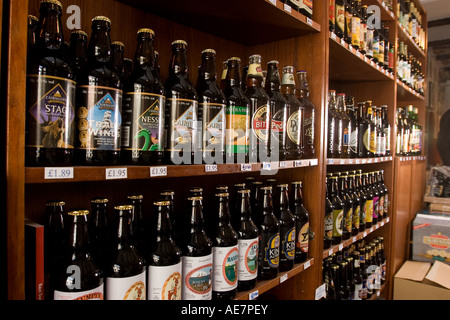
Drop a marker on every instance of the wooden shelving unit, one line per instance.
(235, 28)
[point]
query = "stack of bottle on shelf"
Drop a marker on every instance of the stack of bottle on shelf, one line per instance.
(357, 272)
(351, 21)
(356, 130)
(305, 7)
(75, 113)
(257, 234)
(409, 69)
(354, 202)
(411, 20)
(409, 139)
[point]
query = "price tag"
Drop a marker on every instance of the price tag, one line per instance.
(354, 239)
(307, 265)
(343, 43)
(116, 173)
(58, 173)
(286, 164)
(298, 163)
(341, 246)
(321, 292)
(330, 161)
(330, 252)
(309, 21)
(365, 234)
(246, 167)
(313, 162)
(283, 278)
(266, 166)
(287, 8)
(274, 2)
(333, 36)
(158, 171)
(253, 295)
(211, 168)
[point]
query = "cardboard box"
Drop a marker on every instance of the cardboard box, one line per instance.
(431, 238)
(416, 281)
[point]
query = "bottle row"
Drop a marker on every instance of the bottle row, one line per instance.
(409, 139)
(409, 69)
(411, 20)
(356, 272)
(354, 202)
(91, 255)
(356, 130)
(76, 114)
(305, 7)
(351, 21)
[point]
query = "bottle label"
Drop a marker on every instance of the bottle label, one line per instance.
(363, 36)
(308, 126)
(303, 238)
(349, 220)
(182, 124)
(225, 273)
(356, 217)
(288, 245)
(329, 226)
(51, 113)
(354, 141)
(346, 137)
(288, 79)
(272, 251)
(363, 212)
(306, 5)
(143, 124)
(197, 277)
(369, 43)
(293, 128)
(237, 123)
(94, 294)
(348, 20)
(255, 69)
(338, 216)
(356, 31)
(375, 207)
(213, 126)
(332, 11)
(358, 291)
(366, 139)
(369, 210)
(261, 123)
(279, 125)
(373, 142)
(164, 282)
(99, 117)
(340, 17)
(248, 259)
(129, 288)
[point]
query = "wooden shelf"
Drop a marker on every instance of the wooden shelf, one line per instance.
(266, 285)
(410, 158)
(248, 22)
(437, 200)
(358, 161)
(405, 93)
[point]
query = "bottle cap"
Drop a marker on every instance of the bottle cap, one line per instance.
(124, 207)
(78, 213)
(52, 2)
(101, 18)
(179, 42)
(146, 30)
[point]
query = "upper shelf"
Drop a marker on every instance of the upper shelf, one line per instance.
(249, 22)
(413, 48)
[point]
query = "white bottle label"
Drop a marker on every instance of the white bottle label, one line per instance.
(225, 272)
(164, 283)
(94, 294)
(197, 278)
(129, 288)
(248, 259)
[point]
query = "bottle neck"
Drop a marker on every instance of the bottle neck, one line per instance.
(178, 62)
(233, 75)
(50, 27)
(284, 198)
(245, 207)
(267, 203)
(163, 224)
(207, 70)
(196, 216)
(145, 53)
(123, 229)
(99, 48)
(303, 88)
(79, 236)
(254, 75)
(298, 195)
(224, 211)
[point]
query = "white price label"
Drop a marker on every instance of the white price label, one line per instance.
(253, 295)
(309, 21)
(307, 265)
(211, 168)
(313, 162)
(58, 173)
(321, 292)
(298, 163)
(287, 8)
(158, 171)
(246, 167)
(283, 278)
(274, 2)
(116, 173)
(266, 166)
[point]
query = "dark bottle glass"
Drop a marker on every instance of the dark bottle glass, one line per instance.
(335, 282)
(164, 263)
(363, 36)
(32, 32)
(269, 241)
(181, 109)
(376, 197)
(127, 69)
(348, 21)
(369, 203)
(117, 56)
(352, 114)
(99, 231)
(144, 107)
(340, 18)
(279, 111)
(381, 190)
(356, 24)
(225, 253)
(309, 117)
(348, 206)
(211, 108)
(364, 131)
(301, 223)
(332, 15)
(78, 51)
(344, 290)
(386, 195)
(338, 211)
(138, 224)
(49, 127)
(350, 282)
(330, 293)
(335, 128)
(295, 112)
(169, 195)
(387, 46)
(387, 128)
(260, 111)
(247, 244)
(346, 125)
(237, 115)
(79, 277)
(125, 272)
(256, 197)
(197, 257)
(382, 258)
(354, 195)
(363, 270)
(99, 102)
(357, 278)
(157, 66)
(288, 232)
(362, 200)
(329, 209)
(371, 115)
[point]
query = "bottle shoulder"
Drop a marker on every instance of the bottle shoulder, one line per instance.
(50, 65)
(145, 81)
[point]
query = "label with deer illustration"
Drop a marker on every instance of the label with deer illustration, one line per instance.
(164, 282)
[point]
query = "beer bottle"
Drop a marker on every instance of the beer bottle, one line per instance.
(287, 230)
(340, 18)
(261, 115)
(99, 102)
(364, 275)
(350, 282)
(376, 196)
(212, 103)
(125, 272)
(344, 290)
(348, 206)
(335, 127)
(357, 279)
(256, 198)
(78, 51)
(138, 225)
(362, 202)
(369, 36)
(386, 194)
(377, 183)
(164, 263)
(49, 128)
(223, 77)
(225, 253)
(279, 110)
(79, 276)
(117, 56)
(301, 223)
(329, 209)
(247, 244)
(387, 46)
(294, 126)
(157, 66)
(364, 131)
(197, 259)
(363, 30)
(338, 211)
(181, 109)
(332, 15)
(382, 258)
(386, 126)
(32, 33)
(335, 284)
(326, 278)
(370, 271)
(346, 126)
(381, 45)
(269, 240)
(348, 21)
(371, 115)
(302, 93)
(356, 24)
(99, 231)
(356, 204)
(369, 203)
(143, 108)
(352, 114)
(237, 115)
(169, 195)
